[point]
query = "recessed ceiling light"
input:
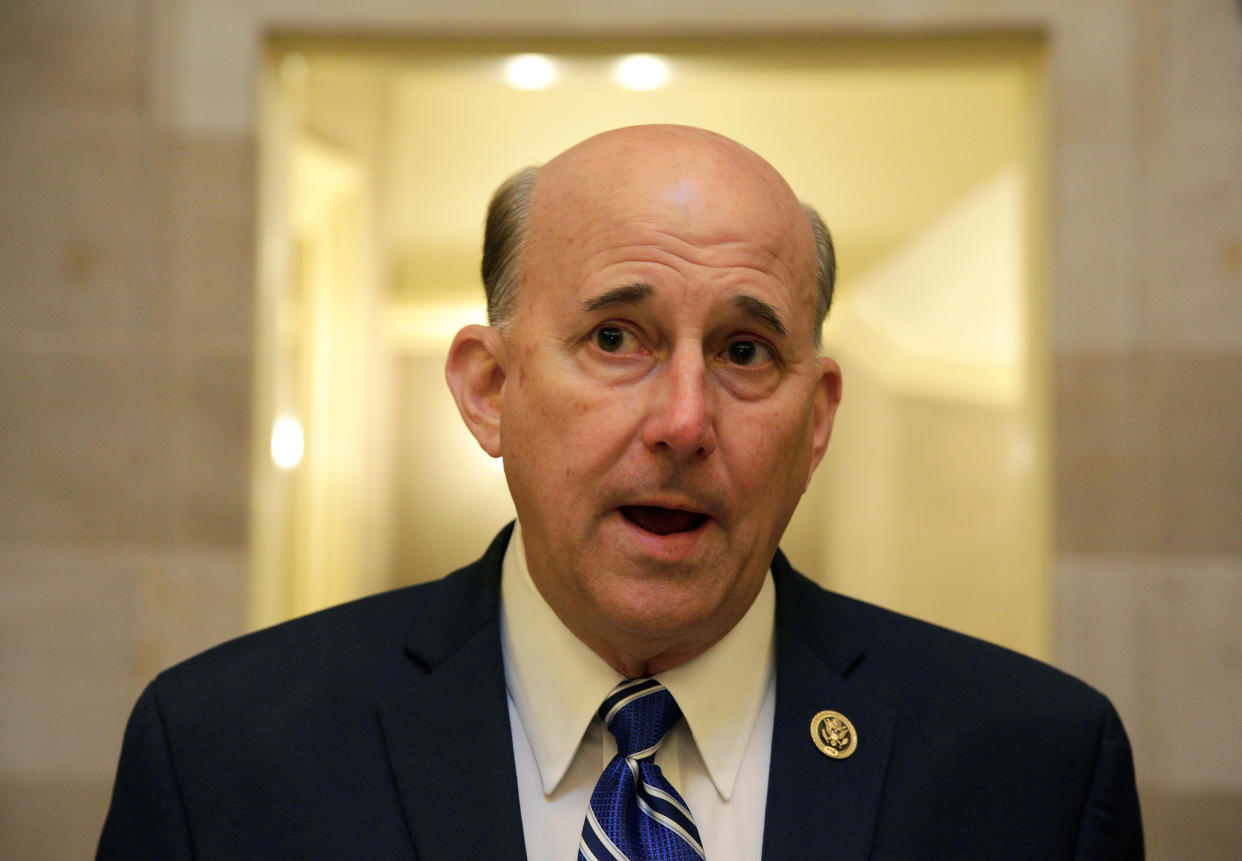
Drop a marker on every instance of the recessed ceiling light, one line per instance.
(641, 72)
(530, 71)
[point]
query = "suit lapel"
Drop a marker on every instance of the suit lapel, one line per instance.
(450, 744)
(820, 807)
(448, 736)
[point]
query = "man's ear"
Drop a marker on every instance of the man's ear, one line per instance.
(827, 398)
(476, 377)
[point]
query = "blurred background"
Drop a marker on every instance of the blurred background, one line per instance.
(238, 237)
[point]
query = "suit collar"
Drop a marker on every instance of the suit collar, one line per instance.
(448, 736)
(817, 806)
(450, 743)
(802, 609)
(458, 606)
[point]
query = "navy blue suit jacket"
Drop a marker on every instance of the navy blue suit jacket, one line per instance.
(380, 730)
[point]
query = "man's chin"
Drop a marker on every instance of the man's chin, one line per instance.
(662, 613)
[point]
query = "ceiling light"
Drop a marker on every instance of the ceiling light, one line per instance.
(641, 72)
(530, 72)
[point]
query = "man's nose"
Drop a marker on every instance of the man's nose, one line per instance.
(680, 417)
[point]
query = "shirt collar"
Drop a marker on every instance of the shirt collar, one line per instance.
(557, 682)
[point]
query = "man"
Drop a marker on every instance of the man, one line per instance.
(653, 382)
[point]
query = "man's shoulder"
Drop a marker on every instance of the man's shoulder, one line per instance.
(329, 636)
(363, 646)
(978, 745)
(903, 660)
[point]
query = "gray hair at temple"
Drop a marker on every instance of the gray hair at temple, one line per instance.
(505, 234)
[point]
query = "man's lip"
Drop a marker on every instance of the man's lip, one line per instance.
(664, 520)
(672, 504)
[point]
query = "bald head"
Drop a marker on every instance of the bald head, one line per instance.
(651, 172)
(686, 168)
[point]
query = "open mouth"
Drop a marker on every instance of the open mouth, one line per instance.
(663, 521)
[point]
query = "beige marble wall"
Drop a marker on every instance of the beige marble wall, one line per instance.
(125, 305)
(126, 302)
(1148, 421)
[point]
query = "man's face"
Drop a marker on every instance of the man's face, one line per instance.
(663, 407)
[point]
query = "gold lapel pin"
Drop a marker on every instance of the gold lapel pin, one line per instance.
(833, 734)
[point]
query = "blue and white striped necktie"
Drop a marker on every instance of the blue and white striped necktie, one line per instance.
(635, 814)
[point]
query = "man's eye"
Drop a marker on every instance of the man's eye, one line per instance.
(748, 353)
(610, 339)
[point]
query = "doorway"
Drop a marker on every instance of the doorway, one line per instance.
(926, 157)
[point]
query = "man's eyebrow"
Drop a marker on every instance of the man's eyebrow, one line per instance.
(765, 313)
(630, 294)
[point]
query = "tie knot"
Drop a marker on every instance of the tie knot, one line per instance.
(639, 713)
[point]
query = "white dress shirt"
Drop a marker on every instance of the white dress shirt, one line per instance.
(717, 758)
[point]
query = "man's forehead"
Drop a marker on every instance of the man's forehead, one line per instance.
(704, 186)
(677, 164)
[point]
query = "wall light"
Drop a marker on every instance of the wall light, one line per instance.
(641, 72)
(530, 72)
(287, 442)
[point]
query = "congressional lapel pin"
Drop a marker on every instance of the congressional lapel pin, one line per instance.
(834, 735)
